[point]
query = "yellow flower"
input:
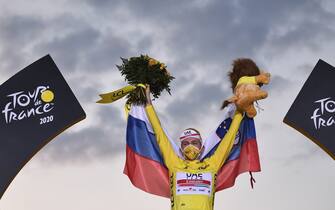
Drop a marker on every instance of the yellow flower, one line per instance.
(152, 62)
(162, 66)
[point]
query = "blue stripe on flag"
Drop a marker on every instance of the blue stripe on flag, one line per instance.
(141, 141)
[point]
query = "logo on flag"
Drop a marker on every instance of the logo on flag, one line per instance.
(36, 105)
(25, 104)
(312, 112)
(323, 114)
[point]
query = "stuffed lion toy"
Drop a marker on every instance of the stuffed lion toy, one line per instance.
(246, 80)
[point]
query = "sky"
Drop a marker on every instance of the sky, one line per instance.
(198, 41)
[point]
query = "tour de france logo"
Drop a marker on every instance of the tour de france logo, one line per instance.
(23, 105)
(323, 115)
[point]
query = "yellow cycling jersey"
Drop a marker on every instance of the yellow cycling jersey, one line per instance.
(192, 183)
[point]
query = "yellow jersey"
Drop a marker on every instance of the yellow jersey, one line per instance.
(192, 183)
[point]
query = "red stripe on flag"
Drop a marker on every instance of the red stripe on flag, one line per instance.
(147, 175)
(248, 161)
(152, 177)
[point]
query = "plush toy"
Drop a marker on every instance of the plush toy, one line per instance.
(246, 79)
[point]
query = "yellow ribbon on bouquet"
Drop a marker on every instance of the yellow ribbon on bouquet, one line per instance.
(110, 97)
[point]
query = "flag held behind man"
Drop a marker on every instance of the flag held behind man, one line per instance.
(145, 167)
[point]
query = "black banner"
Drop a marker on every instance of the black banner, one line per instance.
(36, 105)
(313, 111)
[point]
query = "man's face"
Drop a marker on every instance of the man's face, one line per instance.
(192, 141)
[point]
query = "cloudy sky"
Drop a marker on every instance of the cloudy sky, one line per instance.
(198, 40)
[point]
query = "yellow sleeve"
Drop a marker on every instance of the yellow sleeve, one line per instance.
(219, 157)
(171, 159)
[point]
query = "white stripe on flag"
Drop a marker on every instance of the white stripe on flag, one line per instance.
(213, 139)
(139, 112)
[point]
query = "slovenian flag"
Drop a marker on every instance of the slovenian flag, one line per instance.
(145, 166)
